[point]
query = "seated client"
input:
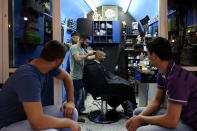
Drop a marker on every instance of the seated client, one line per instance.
(106, 82)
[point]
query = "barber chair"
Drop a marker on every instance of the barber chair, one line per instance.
(95, 83)
(104, 115)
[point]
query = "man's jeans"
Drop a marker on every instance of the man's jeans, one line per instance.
(79, 95)
(180, 127)
(53, 110)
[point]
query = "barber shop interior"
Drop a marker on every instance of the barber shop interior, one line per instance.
(98, 65)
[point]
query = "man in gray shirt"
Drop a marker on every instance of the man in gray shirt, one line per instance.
(77, 57)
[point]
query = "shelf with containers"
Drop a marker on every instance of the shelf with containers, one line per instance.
(106, 32)
(129, 33)
(129, 36)
(134, 58)
(136, 54)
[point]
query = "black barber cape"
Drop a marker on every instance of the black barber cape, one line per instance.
(102, 75)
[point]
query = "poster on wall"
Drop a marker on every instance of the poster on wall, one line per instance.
(110, 12)
(134, 25)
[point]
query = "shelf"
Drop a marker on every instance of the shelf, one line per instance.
(153, 22)
(106, 32)
(171, 12)
(102, 42)
(127, 49)
(133, 58)
(130, 35)
(148, 37)
(101, 35)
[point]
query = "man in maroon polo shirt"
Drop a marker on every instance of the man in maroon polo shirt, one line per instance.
(180, 87)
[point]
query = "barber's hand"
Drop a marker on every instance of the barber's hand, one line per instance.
(69, 44)
(90, 52)
(74, 126)
(90, 48)
(68, 109)
(133, 123)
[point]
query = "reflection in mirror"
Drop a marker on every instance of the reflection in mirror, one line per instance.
(30, 26)
(182, 31)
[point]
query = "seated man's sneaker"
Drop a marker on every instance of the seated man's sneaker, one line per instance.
(84, 113)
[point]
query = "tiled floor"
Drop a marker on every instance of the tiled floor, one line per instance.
(91, 126)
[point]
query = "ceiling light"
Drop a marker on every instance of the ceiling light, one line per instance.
(91, 5)
(25, 18)
(126, 5)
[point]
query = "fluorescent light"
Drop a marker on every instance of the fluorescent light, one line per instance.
(85, 15)
(91, 5)
(126, 5)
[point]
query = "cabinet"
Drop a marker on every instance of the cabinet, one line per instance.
(106, 32)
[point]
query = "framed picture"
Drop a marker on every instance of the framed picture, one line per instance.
(134, 25)
(110, 12)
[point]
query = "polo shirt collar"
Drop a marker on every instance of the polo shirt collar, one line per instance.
(170, 67)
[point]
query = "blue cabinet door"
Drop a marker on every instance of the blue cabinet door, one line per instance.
(138, 76)
(116, 31)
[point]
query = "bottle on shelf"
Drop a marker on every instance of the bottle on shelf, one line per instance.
(141, 56)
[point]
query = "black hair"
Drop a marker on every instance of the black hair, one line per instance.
(53, 50)
(83, 36)
(75, 34)
(161, 47)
